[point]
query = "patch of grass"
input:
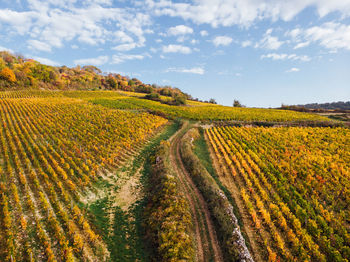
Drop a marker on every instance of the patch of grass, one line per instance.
(123, 240)
(126, 242)
(100, 219)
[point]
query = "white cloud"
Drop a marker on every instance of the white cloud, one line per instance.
(246, 43)
(122, 37)
(38, 45)
(19, 21)
(302, 44)
(330, 35)
(6, 49)
(269, 42)
(293, 69)
(45, 61)
(204, 33)
(120, 58)
(194, 70)
(244, 13)
(222, 40)
(179, 30)
(49, 24)
(274, 56)
(125, 47)
(177, 49)
(181, 38)
(74, 46)
(92, 61)
(294, 34)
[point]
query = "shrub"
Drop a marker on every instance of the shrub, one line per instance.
(8, 75)
(167, 215)
(153, 96)
(179, 100)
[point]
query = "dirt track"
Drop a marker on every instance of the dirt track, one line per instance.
(207, 245)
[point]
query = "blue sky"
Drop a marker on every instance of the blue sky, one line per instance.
(262, 53)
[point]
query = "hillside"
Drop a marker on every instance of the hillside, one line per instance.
(328, 106)
(17, 72)
(325, 107)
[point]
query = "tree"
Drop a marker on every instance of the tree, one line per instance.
(123, 83)
(8, 75)
(112, 82)
(153, 96)
(179, 99)
(212, 101)
(236, 103)
(131, 83)
(92, 69)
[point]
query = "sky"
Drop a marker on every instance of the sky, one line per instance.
(261, 52)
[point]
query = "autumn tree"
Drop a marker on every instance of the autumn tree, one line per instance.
(8, 75)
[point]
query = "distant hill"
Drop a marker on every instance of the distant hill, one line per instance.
(324, 107)
(329, 106)
(17, 72)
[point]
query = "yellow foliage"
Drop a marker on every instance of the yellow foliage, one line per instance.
(8, 75)
(124, 83)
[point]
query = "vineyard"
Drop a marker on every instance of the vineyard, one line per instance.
(64, 156)
(194, 110)
(198, 111)
(293, 186)
(53, 149)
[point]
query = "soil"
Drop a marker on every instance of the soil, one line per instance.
(207, 245)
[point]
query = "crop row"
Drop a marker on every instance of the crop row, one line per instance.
(295, 184)
(51, 150)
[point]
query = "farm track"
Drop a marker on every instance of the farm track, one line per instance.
(207, 244)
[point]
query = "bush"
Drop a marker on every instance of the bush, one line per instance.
(167, 215)
(179, 100)
(8, 75)
(153, 96)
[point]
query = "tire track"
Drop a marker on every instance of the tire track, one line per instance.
(207, 245)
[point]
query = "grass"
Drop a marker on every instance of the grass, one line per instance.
(126, 241)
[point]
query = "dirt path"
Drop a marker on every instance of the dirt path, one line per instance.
(207, 245)
(225, 177)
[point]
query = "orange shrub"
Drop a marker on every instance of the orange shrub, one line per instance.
(8, 75)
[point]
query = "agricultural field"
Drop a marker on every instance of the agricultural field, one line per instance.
(291, 186)
(78, 171)
(198, 111)
(54, 150)
(193, 110)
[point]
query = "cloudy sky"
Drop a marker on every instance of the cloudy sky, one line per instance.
(262, 52)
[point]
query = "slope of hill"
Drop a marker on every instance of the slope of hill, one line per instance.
(194, 110)
(17, 72)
